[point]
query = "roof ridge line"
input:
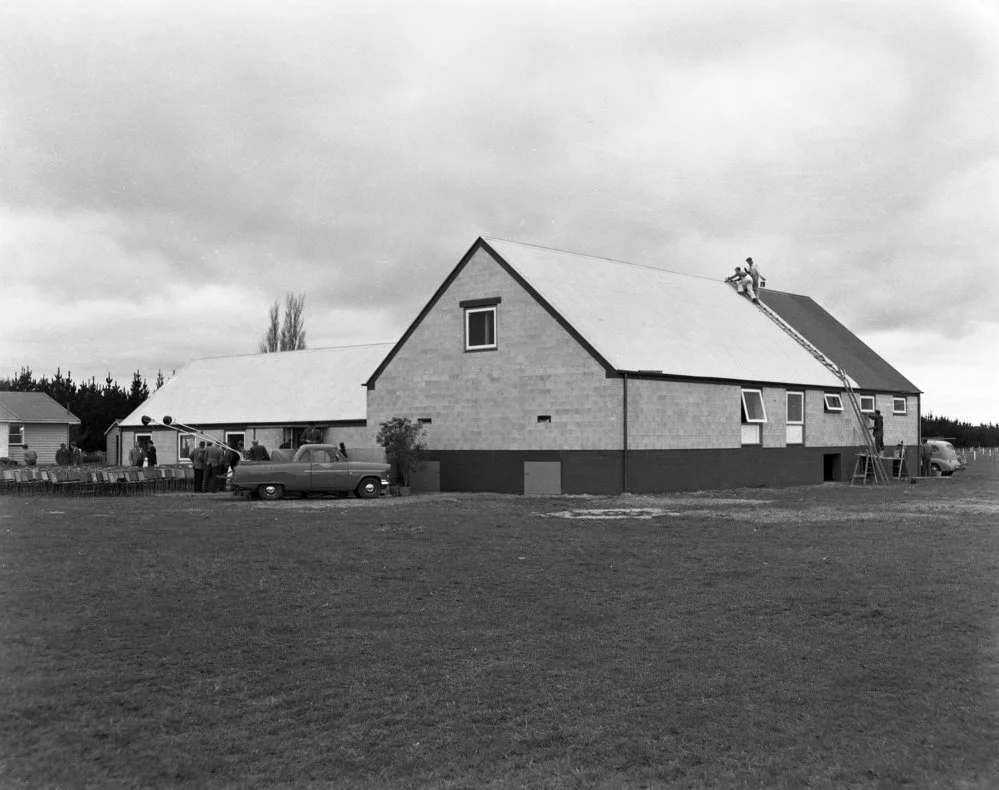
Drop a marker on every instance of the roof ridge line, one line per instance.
(602, 258)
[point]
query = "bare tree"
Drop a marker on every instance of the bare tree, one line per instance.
(293, 328)
(288, 335)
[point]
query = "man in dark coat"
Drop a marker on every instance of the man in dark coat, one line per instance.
(878, 430)
(258, 452)
(198, 462)
(62, 455)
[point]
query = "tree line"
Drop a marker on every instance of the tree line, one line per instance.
(96, 405)
(960, 434)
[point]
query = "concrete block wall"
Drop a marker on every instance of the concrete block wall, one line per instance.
(491, 400)
(899, 427)
(679, 415)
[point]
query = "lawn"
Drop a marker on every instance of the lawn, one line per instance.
(821, 636)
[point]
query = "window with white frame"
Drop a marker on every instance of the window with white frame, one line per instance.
(833, 401)
(15, 434)
(754, 414)
(480, 323)
(867, 403)
(186, 442)
(899, 405)
(795, 418)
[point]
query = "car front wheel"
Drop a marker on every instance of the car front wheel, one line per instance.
(369, 488)
(270, 492)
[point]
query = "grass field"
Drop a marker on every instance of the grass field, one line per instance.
(823, 636)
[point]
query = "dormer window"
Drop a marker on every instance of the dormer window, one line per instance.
(481, 323)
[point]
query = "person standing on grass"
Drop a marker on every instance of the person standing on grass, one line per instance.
(62, 455)
(925, 456)
(198, 462)
(76, 454)
(151, 453)
(135, 456)
(30, 456)
(214, 459)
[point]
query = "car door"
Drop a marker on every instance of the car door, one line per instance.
(329, 472)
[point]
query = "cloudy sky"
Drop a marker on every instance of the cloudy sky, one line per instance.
(169, 169)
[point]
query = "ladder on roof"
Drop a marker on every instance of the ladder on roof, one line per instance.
(870, 463)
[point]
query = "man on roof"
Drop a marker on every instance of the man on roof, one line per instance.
(743, 283)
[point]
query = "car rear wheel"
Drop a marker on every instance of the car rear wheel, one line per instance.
(935, 470)
(270, 491)
(369, 488)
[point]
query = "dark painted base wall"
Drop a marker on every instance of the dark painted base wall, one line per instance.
(648, 471)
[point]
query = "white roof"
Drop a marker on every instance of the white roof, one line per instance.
(649, 319)
(314, 385)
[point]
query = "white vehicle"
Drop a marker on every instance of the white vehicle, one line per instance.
(945, 460)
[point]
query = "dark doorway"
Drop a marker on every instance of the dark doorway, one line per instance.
(831, 470)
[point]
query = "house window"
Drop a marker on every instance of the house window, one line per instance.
(291, 438)
(867, 403)
(424, 420)
(15, 434)
(480, 323)
(544, 419)
(143, 439)
(185, 445)
(899, 405)
(480, 329)
(795, 418)
(833, 401)
(753, 415)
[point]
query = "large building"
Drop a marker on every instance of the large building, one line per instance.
(36, 420)
(268, 398)
(540, 371)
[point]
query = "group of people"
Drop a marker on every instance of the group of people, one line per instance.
(212, 463)
(748, 281)
(142, 455)
(68, 456)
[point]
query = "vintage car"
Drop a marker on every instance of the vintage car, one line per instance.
(314, 469)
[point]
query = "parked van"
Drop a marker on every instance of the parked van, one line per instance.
(945, 460)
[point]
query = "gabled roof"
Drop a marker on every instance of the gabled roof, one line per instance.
(641, 319)
(33, 407)
(870, 371)
(314, 385)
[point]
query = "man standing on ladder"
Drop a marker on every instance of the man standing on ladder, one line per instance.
(878, 430)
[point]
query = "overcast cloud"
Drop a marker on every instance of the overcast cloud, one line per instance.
(169, 169)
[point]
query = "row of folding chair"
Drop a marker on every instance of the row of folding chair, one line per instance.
(67, 481)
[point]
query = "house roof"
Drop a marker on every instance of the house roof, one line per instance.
(642, 318)
(314, 385)
(870, 371)
(33, 407)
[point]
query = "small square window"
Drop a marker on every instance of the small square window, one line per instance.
(867, 403)
(833, 401)
(480, 329)
(899, 405)
(752, 406)
(544, 419)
